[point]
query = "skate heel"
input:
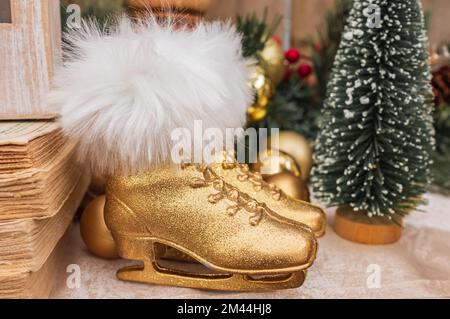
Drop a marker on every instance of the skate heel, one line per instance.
(135, 248)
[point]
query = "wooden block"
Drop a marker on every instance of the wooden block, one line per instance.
(25, 244)
(30, 51)
(359, 228)
(38, 284)
(24, 145)
(39, 192)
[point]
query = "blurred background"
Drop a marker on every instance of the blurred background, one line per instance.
(295, 43)
(305, 16)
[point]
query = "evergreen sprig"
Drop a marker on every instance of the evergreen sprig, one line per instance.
(256, 32)
(293, 109)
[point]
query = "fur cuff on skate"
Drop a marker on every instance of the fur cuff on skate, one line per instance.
(123, 92)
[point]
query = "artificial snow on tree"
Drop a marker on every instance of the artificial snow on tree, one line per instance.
(373, 151)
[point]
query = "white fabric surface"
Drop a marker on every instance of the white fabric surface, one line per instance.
(416, 267)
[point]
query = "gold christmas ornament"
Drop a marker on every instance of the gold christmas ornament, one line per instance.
(281, 170)
(290, 184)
(95, 234)
(274, 62)
(97, 186)
(267, 76)
(263, 93)
(245, 245)
(255, 114)
(275, 162)
(297, 147)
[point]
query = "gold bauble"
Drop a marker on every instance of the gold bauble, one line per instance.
(95, 233)
(290, 184)
(298, 148)
(280, 169)
(256, 114)
(263, 92)
(273, 64)
(97, 186)
(272, 162)
(262, 86)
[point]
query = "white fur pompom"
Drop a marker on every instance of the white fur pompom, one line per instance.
(123, 92)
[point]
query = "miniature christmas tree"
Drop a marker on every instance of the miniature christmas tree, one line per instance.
(373, 152)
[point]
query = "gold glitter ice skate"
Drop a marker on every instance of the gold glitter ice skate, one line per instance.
(243, 244)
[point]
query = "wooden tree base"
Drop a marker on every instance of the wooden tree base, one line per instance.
(359, 228)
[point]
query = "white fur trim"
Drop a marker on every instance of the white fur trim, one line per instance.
(123, 92)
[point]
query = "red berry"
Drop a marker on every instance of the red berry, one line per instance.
(304, 70)
(292, 55)
(277, 39)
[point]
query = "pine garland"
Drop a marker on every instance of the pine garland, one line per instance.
(373, 152)
(297, 105)
(293, 109)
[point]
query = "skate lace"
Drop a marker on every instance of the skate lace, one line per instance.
(255, 178)
(242, 202)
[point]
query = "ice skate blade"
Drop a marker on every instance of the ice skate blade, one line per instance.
(153, 274)
(210, 278)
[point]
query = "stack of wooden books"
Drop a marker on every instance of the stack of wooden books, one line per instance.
(41, 188)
